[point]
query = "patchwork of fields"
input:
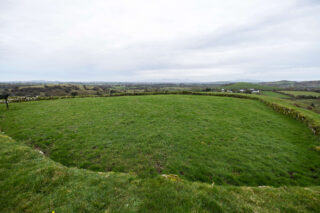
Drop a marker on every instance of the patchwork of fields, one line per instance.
(275, 94)
(302, 93)
(303, 99)
(220, 148)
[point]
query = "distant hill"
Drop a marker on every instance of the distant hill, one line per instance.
(294, 84)
(245, 85)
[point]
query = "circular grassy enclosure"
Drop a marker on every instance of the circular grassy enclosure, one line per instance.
(200, 138)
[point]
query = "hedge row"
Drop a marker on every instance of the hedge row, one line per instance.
(40, 98)
(294, 112)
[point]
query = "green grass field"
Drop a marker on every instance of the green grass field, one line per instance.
(302, 93)
(274, 94)
(208, 139)
(245, 85)
(312, 104)
(30, 182)
(109, 155)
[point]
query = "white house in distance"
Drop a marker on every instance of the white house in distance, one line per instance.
(252, 91)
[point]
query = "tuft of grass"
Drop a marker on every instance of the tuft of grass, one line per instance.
(172, 177)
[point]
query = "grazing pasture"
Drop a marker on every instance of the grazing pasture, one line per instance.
(221, 140)
(302, 93)
(245, 85)
(302, 99)
(274, 94)
(311, 104)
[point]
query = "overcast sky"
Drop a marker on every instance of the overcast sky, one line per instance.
(167, 40)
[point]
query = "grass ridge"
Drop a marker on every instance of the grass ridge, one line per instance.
(31, 182)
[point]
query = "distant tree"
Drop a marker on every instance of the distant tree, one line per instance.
(111, 92)
(96, 88)
(5, 97)
(73, 94)
(67, 89)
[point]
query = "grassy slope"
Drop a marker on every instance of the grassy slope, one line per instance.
(295, 84)
(310, 104)
(193, 136)
(284, 106)
(310, 115)
(307, 103)
(244, 85)
(29, 182)
(274, 94)
(281, 84)
(304, 93)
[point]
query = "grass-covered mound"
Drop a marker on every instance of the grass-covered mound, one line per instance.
(200, 138)
(30, 182)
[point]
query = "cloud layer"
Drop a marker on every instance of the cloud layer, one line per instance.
(141, 40)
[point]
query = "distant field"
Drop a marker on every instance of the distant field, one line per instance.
(311, 104)
(244, 85)
(294, 84)
(200, 138)
(274, 94)
(302, 93)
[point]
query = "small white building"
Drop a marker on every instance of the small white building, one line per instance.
(255, 92)
(241, 90)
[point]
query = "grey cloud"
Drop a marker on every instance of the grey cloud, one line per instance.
(275, 45)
